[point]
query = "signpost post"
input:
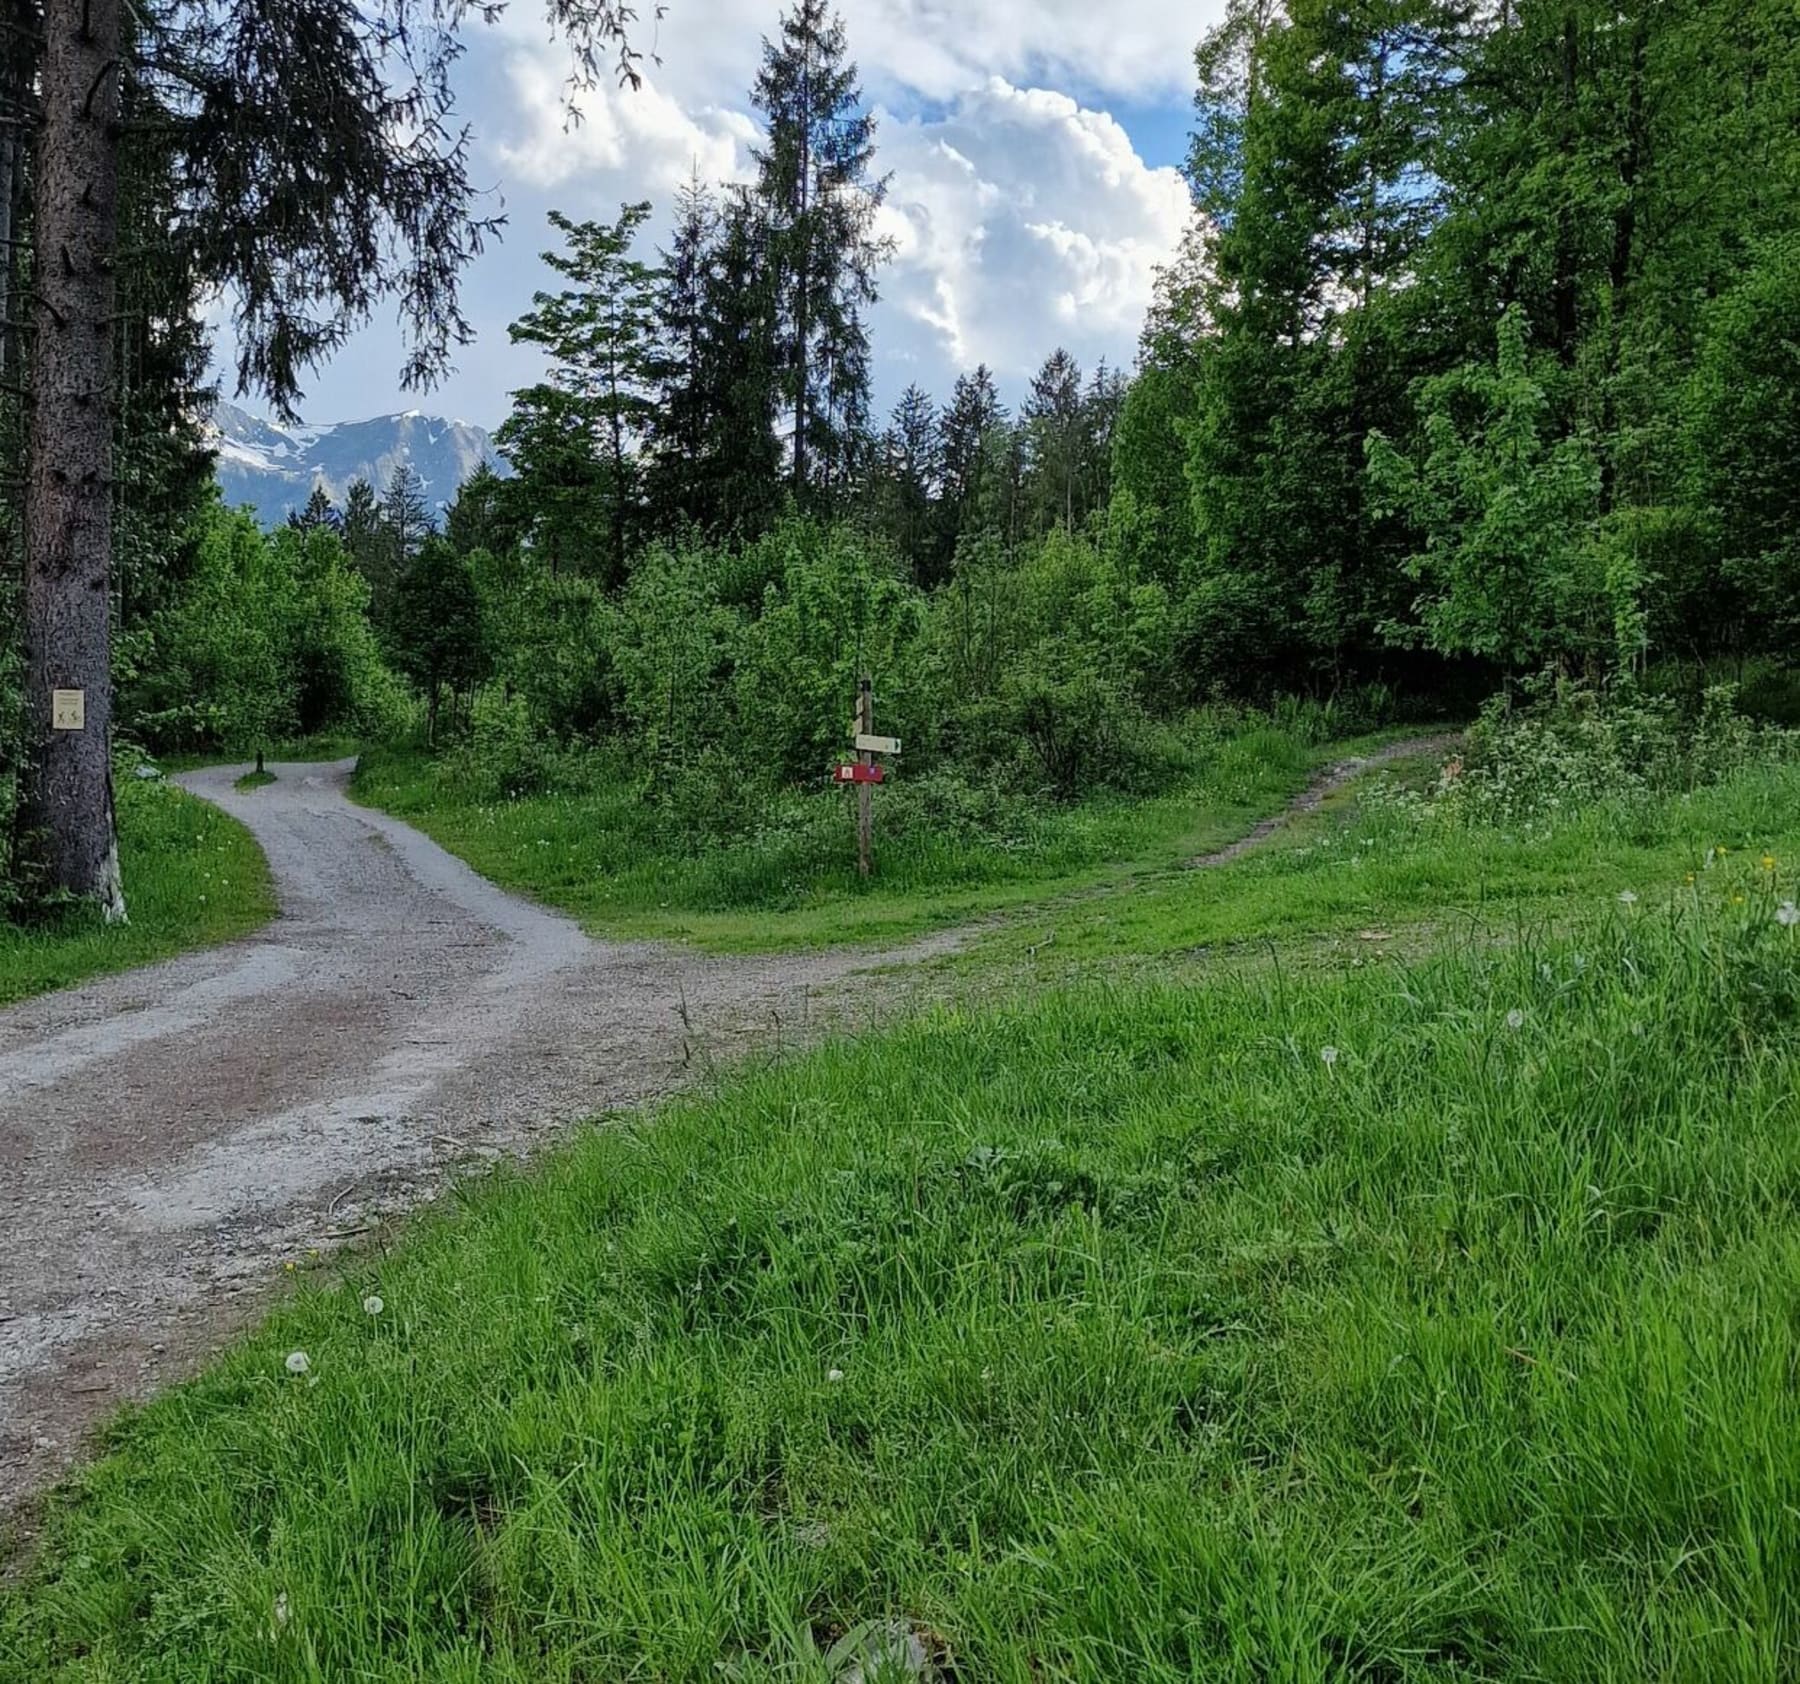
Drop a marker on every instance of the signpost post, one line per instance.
(865, 773)
(865, 792)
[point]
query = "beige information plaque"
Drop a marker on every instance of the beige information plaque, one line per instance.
(68, 710)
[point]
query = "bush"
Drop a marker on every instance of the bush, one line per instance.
(1566, 749)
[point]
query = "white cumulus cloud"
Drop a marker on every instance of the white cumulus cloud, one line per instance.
(1021, 221)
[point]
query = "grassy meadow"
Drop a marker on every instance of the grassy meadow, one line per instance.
(193, 878)
(1421, 1320)
(945, 852)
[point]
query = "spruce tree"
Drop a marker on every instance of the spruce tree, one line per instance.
(975, 410)
(914, 470)
(1054, 422)
(362, 534)
(740, 375)
(406, 520)
(816, 189)
(319, 513)
(683, 424)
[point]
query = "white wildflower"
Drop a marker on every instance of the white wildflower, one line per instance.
(281, 1609)
(1329, 1055)
(1628, 897)
(373, 1305)
(1515, 1019)
(834, 1375)
(1787, 914)
(298, 1362)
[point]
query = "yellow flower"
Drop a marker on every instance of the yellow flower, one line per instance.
(1768, 862)
(1737, 900)
(1690, 876)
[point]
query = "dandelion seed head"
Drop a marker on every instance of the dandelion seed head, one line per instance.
(834, 1375)
(1515, 1019)
(1787, 915)
(373, 1305)
(1329, 1055)
(298, 1362)
(1628, 897)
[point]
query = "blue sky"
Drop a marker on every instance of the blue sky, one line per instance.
(1034, 147)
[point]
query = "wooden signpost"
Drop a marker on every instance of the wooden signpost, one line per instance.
(865, 773)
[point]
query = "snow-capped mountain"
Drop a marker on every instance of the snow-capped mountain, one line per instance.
(274, 468)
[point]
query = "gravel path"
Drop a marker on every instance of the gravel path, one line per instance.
(171, 1137)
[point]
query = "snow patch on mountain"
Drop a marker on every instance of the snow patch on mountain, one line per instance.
(273, 468)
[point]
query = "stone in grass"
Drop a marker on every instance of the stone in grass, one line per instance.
(882, 1652)
(147, 774)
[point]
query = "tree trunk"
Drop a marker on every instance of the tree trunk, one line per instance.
(9, 171)
(66, 813)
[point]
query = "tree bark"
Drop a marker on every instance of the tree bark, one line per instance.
(66, 813)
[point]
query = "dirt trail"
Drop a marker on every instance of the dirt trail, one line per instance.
(170, 1138)
(1325, 785)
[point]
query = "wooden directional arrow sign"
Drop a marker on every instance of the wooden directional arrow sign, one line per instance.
(865, 744)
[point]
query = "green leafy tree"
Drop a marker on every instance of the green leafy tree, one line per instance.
(601, 336)
(438, 633)
(1513, 570)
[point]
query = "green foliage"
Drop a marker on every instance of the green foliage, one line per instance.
(727, 857)
(1548, 762)
(268, 638)
(1051, 658)
(569, 439)
(1512, 567)
(437, 631)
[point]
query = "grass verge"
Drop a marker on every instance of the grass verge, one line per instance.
(944, 854)
(1424, 1324)
(1362, 863)
(193, 878)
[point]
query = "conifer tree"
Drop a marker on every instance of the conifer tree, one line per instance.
(913, 451)
(1054, 424)
(319, 512)
(817, 192)
(406, 520)
(681, 426)
(975, 410)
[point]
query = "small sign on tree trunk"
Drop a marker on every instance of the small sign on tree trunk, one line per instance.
(68, 710)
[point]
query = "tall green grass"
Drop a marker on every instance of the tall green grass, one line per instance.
(782, 872)
(1436, 1323)
(193, 878)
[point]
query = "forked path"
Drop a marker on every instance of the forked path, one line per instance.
(171, 1137)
